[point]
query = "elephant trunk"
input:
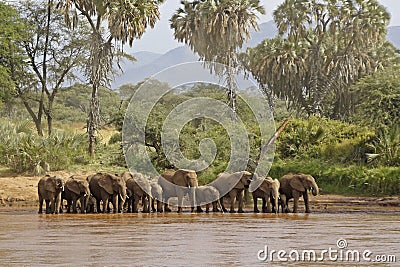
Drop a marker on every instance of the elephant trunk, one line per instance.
(315, 189)
(122, 195)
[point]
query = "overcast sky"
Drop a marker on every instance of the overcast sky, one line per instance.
(160, 38)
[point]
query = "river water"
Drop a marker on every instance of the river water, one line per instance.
(29, 239)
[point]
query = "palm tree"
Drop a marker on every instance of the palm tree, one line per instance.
(216, 30)
(125, 21)
(327, 46)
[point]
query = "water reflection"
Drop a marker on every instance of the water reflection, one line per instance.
(29, 239)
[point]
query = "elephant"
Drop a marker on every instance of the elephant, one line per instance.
(104, 186)
(268, 191)
(294, 186)
(156, 193)
(138, 188)
(232, 185)
(91, 204)
(178, 184)
(49, 190)
(76, 189)
(208, 194)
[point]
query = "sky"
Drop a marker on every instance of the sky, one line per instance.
(160, 39)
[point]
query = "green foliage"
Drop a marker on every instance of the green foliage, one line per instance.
(377, 99)
(324, 138)
(386, 147)
(13, 32)
(22, 150)
(340, 179)
(72, 104)
(323, 47)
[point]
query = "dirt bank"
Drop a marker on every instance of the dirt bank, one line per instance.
(21, 191)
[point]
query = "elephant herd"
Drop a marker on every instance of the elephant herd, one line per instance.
(124, 192)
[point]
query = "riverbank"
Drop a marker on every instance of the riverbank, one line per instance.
(21, 192)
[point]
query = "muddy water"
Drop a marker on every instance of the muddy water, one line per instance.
(29, 239)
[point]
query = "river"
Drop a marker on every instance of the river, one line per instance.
(29, 239)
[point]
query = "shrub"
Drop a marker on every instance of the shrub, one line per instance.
(22, 150)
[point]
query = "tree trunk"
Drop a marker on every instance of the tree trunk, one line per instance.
(93, 120)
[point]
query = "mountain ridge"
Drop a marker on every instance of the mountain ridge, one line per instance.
(149, 63)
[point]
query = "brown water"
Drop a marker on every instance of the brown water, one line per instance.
(29, 239)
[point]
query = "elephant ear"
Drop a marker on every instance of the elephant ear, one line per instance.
(238, 176)
(266, 185)
(50, 185)
(73, 185)
(297, 183)
(106, 183)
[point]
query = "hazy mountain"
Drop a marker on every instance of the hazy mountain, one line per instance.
(149, 63)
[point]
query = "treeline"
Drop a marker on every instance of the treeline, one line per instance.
(330, 68)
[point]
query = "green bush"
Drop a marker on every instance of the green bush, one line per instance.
(22, 150)
(339, 179)
(322, 138)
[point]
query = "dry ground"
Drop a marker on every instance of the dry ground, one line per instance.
(21, 191)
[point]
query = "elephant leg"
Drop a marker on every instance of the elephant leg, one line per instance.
(221, 200)
(180, 201)
(215, 206)
(135, 203)
(255, 208)
(268, 207)
(115, 203)
(57, 203)
(74, 210)
(296, 196)
(159, 206)
(52, 205)
(105, 204)
(40, 205)
(166, 208)
(48, 208)
(153, 208)
(98, 209)
(232, 195)
(306, 202)
(240, 202)
(199, 209)
(207, 207)
(265, 203)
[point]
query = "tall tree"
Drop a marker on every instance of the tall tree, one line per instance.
(113, 24)
(323, 47)
(12, 60)
(52, 52)
(216, 30)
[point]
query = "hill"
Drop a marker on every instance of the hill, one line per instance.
(149, 63)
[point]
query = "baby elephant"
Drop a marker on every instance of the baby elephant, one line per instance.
(205, 195)
(268, 191)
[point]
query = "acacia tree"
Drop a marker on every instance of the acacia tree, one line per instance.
(216, 30)
(323, 47)
(112, 24)
(52, 51)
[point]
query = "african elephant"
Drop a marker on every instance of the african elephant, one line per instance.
(156, 193)
(104, 186)
(138, 188)
(91, 205)
(178, 184)
(49, 190)
(232, 185)
(76, 189)
(294, 186)
(207, 194)
(268, 191)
